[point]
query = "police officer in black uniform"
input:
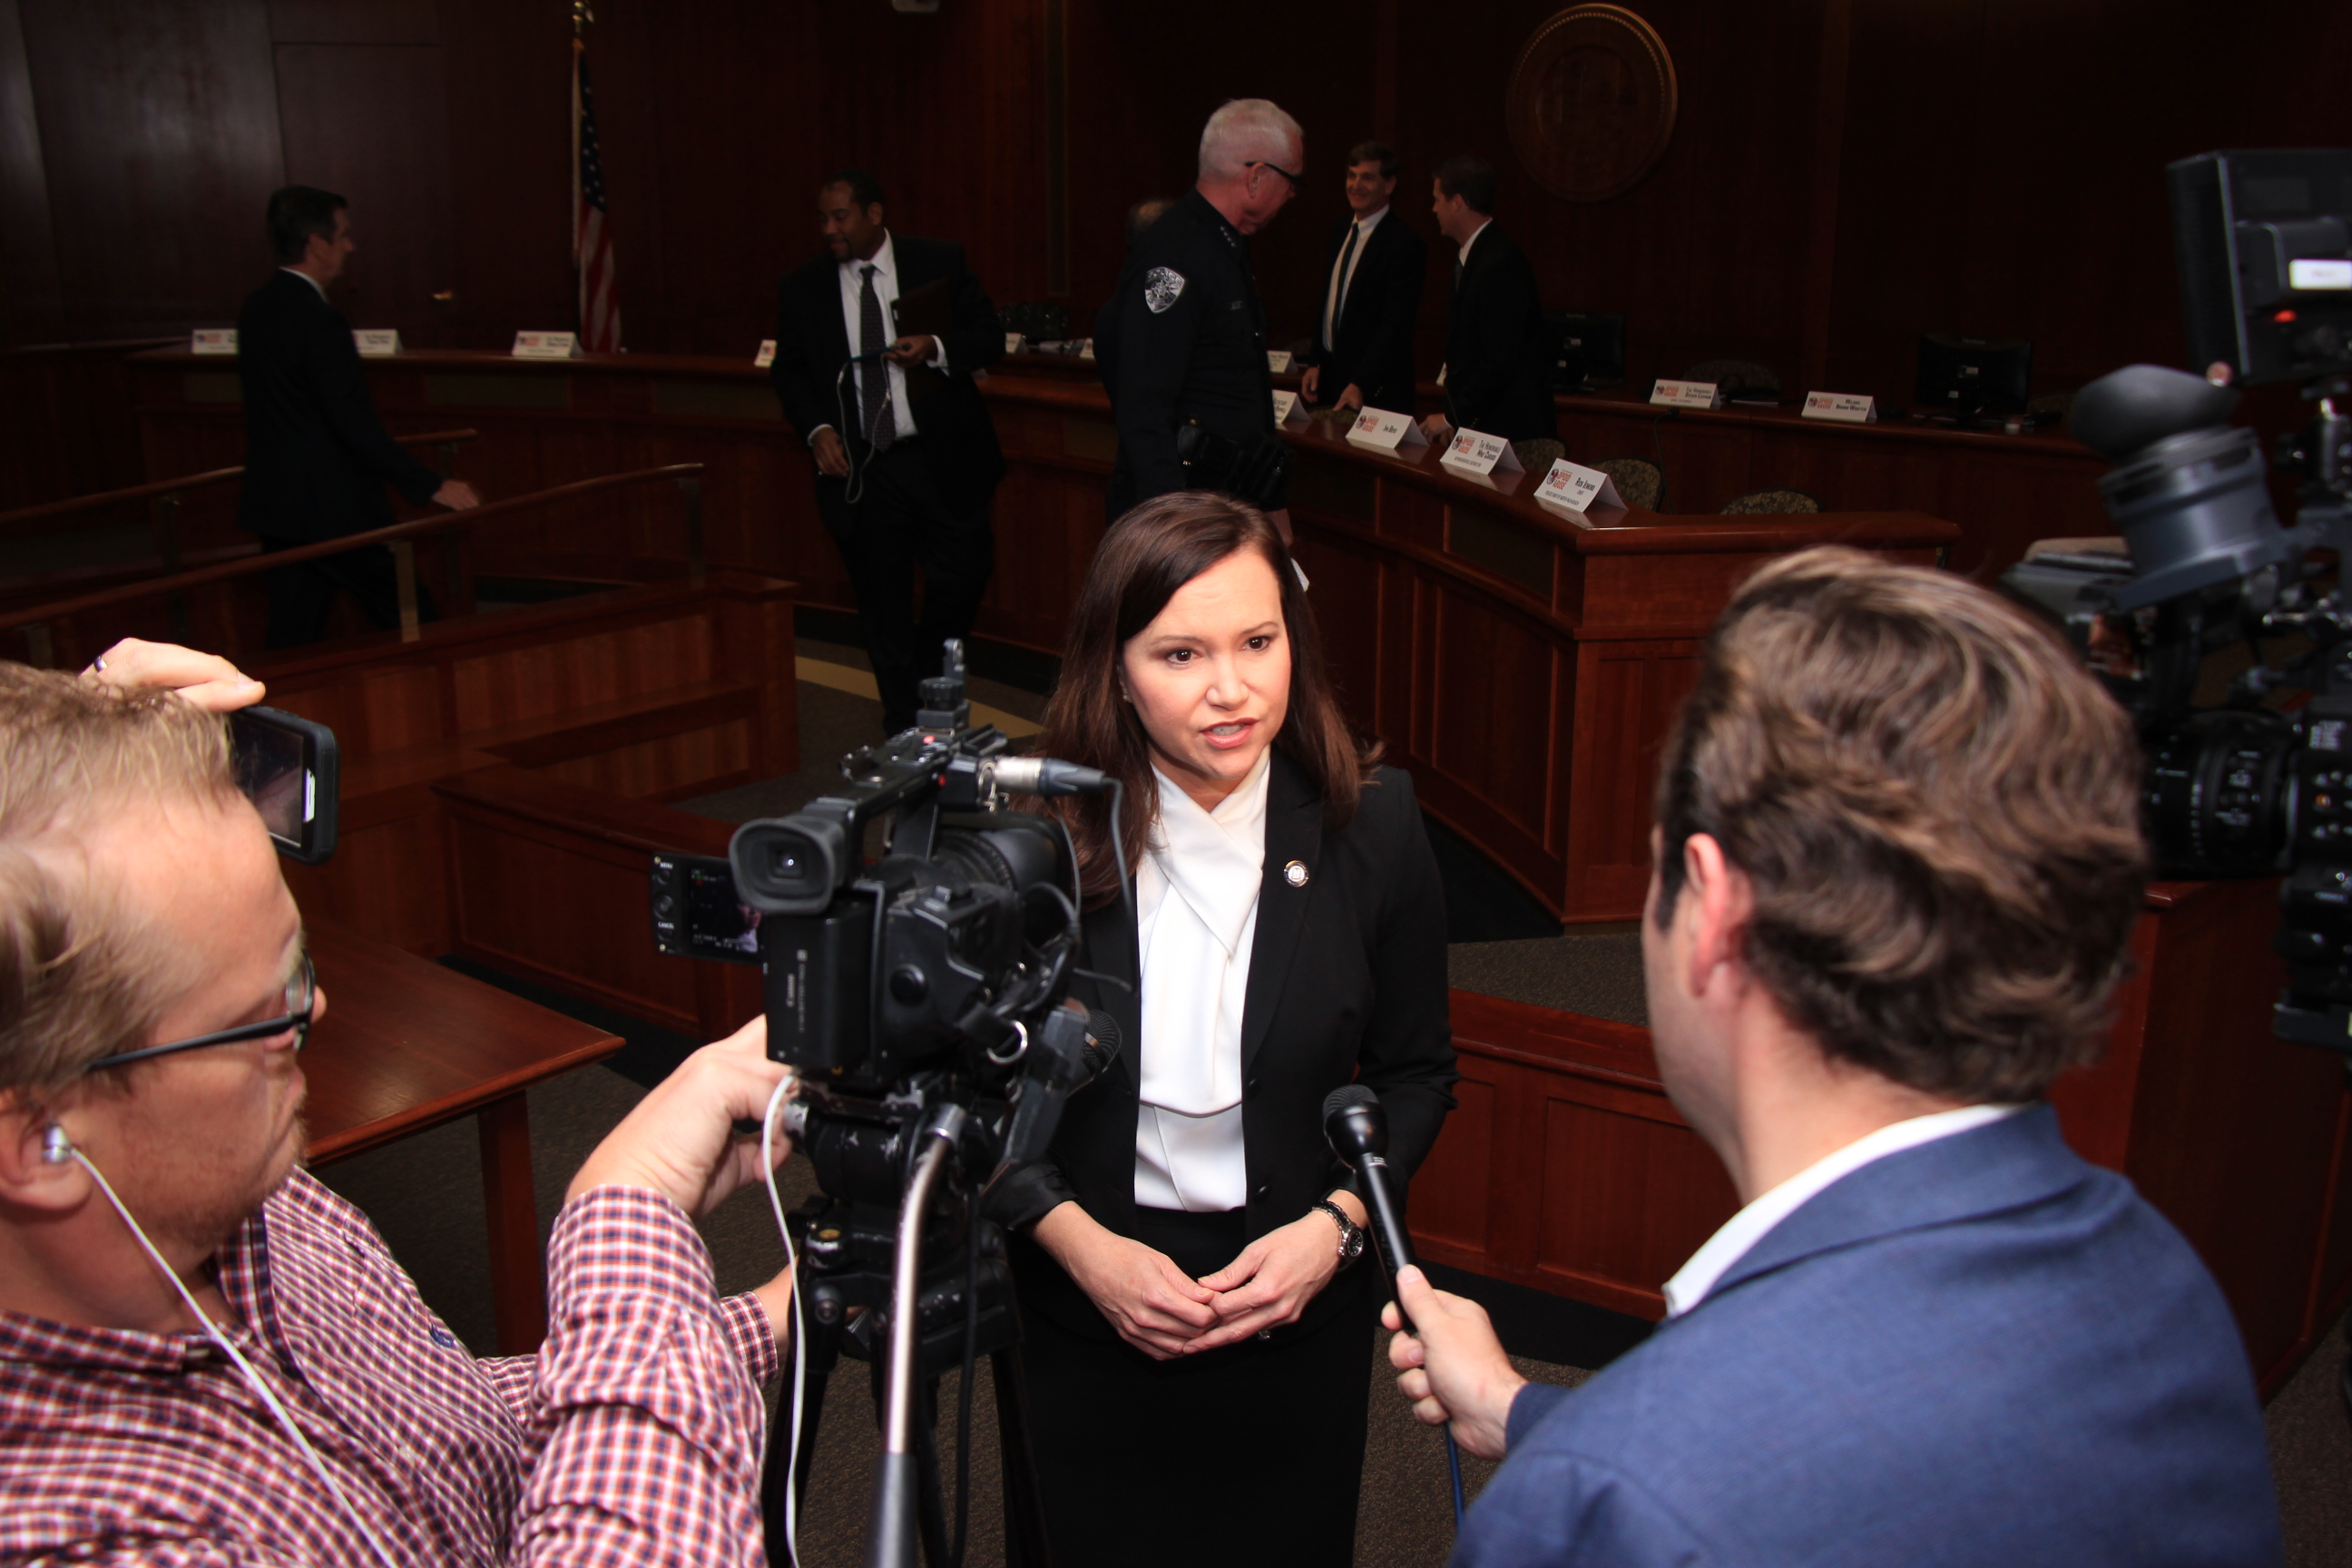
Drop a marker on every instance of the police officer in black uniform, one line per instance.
(1181, 343)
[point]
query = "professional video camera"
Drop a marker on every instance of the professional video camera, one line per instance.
(922, 1001)
(2264, 243)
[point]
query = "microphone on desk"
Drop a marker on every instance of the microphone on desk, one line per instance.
(1358, 1131)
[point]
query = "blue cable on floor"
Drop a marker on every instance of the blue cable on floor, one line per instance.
(1453, 1467)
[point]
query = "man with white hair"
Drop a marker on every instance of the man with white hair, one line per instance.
(1182, 341)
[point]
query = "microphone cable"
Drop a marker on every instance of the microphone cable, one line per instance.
(252, 1379)
(799, 1323)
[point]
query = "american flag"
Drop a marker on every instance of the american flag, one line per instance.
(591, 235)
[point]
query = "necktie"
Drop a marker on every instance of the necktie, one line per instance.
(874, 380)
(1338, 299)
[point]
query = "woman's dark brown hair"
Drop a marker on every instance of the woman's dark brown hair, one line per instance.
(1148, 554)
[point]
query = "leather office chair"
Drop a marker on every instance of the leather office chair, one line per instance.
(1640, 483)
(1737, 377)
(1770, 503)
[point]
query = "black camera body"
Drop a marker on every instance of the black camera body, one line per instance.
(2242, 789)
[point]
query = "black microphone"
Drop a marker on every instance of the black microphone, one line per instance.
(1358, 1132)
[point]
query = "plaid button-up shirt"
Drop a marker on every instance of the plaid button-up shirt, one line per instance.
(632, 1438)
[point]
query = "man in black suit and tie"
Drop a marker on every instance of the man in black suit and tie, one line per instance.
(1371, 293)
(316, 456)
(906, 459)
(1498, 372)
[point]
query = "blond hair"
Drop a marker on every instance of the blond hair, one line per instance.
(1937, 810)
(80, 975)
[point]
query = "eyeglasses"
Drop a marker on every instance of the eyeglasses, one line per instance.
(302, 997)
(1297, 183)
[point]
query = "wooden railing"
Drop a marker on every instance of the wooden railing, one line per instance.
(36, 621)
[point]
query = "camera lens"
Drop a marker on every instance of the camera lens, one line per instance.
(787, 867)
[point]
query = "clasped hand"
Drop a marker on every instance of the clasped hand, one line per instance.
(1165, 1314)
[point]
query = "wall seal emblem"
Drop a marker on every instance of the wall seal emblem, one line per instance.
(1591, 104)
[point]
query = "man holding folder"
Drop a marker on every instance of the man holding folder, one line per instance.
(877, 342)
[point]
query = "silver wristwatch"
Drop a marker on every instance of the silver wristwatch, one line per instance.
(1351, 1235)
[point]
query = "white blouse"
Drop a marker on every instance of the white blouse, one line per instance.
(1196, 898)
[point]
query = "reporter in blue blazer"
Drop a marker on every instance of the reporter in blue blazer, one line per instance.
(1897, 868)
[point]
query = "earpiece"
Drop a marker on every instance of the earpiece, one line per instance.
(56, 1147)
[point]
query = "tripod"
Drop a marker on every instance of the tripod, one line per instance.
(863, 1266)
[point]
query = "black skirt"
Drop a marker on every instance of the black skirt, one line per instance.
(1251, 1454)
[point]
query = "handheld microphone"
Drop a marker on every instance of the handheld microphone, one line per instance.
(1358, 1131)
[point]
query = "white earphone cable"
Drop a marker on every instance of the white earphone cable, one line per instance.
(800, 1323)
(252, 1379)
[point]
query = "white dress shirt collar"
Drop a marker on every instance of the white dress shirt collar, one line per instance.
(885, 262)
(1463, 254)
(1692, 1284)
(1372, 220)
(306, 277)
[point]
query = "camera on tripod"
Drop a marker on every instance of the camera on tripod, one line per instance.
(2264, 244)
(922, 1000)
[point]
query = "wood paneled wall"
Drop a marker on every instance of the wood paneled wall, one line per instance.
(1842, 176)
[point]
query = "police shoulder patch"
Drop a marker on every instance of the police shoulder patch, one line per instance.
(1161, 286)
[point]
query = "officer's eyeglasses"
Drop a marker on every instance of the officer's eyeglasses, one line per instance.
(302, 998)
(1297, 183)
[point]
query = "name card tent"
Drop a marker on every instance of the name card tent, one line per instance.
(1476, 452)
(1686, 393)
(547, 345)
(213, 341)
(1378, 430)
(1286, 410)
(375, 345)
(1277, 359)
(1013, 341)
(1845, 407)
(767, 354)
(1573, 489)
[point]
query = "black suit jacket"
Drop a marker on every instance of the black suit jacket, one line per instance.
(316, 456)
(1497, 372)
(1347, 983)
(812, 345)
(1374, 347)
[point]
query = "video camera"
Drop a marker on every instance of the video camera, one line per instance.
(2264, 243)
(922, 1000)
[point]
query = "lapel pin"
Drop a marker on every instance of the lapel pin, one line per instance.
(1295, 873)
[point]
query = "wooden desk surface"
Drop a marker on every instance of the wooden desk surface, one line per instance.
(406, 1045)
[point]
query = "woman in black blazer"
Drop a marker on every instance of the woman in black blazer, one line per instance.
(1198, 1352)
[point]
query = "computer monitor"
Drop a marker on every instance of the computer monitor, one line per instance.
(1589, 347)
(2264, 243)
(1965, 376)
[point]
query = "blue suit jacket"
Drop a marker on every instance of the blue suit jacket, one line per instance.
(1978, 1351)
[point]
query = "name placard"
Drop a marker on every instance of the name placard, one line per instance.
(1846, 407)
(374, 345)
(1571, 488)
(1085, 348)
(1475, 452)
(1286, 410)
(1277, 359)
(547, 345)
(1382, 431)
(1686, 393)
(213, 341)
(1012, 342)
(767, 354)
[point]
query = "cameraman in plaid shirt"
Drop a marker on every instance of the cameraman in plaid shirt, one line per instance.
(247, 1377)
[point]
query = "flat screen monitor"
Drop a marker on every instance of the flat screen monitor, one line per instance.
(1965, 375)
(1590, 347)
(2264, 243)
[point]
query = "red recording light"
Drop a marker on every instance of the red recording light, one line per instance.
(2283, 316)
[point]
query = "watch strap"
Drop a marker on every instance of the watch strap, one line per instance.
(1351, 1235)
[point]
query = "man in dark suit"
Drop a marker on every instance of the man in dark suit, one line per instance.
(1372, 293)
(1498, 372)
(1935, 1335)
(906, 459)
(316, 456)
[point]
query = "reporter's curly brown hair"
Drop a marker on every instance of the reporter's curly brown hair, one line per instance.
(1937, 808)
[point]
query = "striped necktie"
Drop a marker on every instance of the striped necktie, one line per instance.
(1339, 295)
(874, 380)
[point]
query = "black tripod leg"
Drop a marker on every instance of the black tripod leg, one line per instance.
(780, 1438)
(1026, 1546)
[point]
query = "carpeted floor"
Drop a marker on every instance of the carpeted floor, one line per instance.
(424, 1193)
